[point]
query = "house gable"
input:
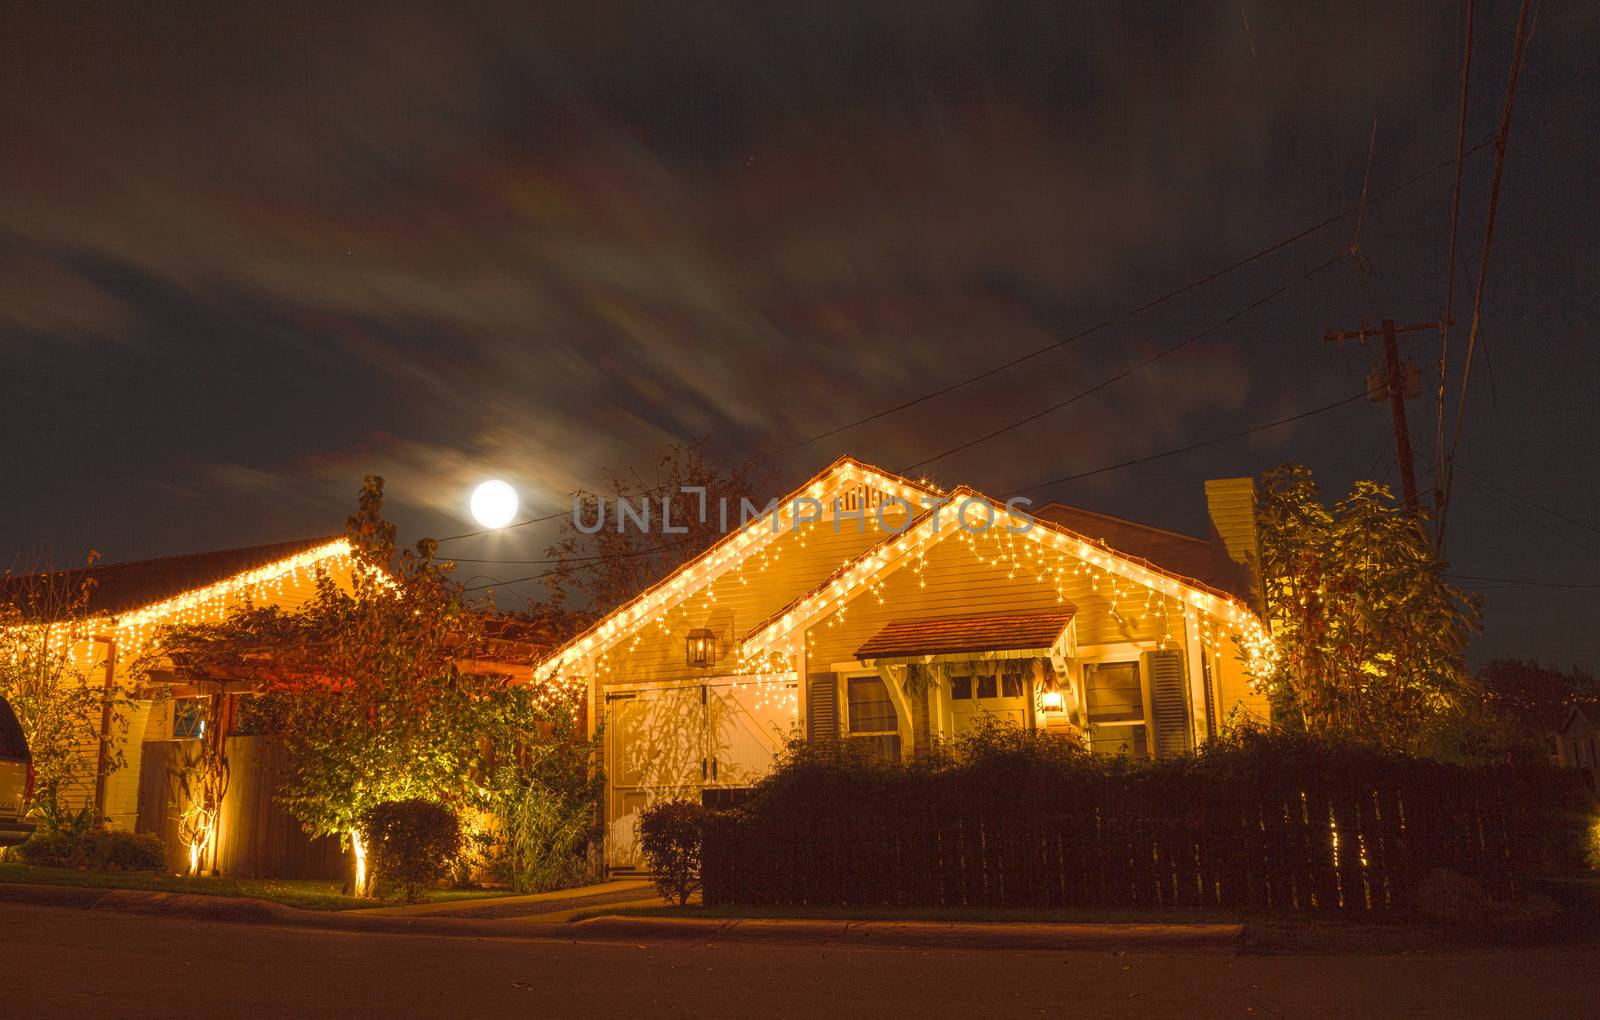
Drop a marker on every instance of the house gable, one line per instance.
(742, 578)
(1017, 544)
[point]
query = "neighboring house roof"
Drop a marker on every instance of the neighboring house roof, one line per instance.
(1173, 551)
(122, 587)
(950, 635)
(1590, 710)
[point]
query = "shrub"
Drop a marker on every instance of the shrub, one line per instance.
(98, 848)
(671, 834)
(411, 844)
(1259, 821)
(48, 850)
(120, 850)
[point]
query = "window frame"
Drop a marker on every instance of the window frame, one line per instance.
(847, 732)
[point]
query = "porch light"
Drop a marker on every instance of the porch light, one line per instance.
(1052, 701)
(700, 648)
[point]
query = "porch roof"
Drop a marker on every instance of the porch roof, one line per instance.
(948, 635)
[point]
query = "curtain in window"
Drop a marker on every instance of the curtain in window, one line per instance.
(871, 709)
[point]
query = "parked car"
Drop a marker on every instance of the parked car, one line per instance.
(16, 778)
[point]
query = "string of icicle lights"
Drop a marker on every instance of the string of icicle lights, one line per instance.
(1136, 594)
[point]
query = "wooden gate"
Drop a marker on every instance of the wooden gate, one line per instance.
(256, 837)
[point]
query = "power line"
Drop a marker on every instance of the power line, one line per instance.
(582, 563)
(1446, 317)
(1130, 313)
(1196, 446)
(1502, 138)
(1518, 496)
(508, 527)
(1489, 495)
(1130, 370)
(1513, 583)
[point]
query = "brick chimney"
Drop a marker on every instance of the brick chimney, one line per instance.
(1232, 505)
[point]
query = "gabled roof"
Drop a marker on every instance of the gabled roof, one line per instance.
(1590, 710)
(1166, 561)
(1184, 555)
(123, 587)
(885, 556)
(723, 554)
(950, 635)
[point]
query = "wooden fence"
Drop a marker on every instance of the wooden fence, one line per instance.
(256, 837)
(1274, 826)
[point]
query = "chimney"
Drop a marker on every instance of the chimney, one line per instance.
(1232, 505)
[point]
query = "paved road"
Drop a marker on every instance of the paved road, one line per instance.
(69, 962)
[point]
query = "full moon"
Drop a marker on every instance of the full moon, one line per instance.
(494, 504)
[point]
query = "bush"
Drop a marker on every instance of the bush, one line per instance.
(1009, 818)
(671, 834)
(411, 844)
(99, 849)
(48, 850)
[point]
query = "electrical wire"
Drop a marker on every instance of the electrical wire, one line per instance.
(1130, 313)
(1125, 373)
(1502, 138)
(1514, 583)
(1195, 446)
(1450, 266)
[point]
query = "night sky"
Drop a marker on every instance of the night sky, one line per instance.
(245, 260)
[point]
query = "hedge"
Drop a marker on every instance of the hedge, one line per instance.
(1023, 821)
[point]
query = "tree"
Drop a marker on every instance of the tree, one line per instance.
(44, 624)
(621, 558)
(1371, 638)
(366, 686)
(1535, 696)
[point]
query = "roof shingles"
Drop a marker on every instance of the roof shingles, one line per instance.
(951, 635)
(123, 587)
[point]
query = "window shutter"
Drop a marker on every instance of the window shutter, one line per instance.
(822, 709)
(1169, 701)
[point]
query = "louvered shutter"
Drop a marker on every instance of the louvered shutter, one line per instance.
(822, 709)
(1169, 701)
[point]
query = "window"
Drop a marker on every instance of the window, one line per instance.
(1116, 708)
(873, 722)
(188, 718)
(13, 744)
(1114, 692)
(984, 687)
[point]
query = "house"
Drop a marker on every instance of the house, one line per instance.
(1575, 745)
(127, 604)
(874, 609)
(170, 711)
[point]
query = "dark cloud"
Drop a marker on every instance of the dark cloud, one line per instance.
(247, 257)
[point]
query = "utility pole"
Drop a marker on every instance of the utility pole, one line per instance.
(1396, 385)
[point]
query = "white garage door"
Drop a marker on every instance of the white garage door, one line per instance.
(671, 742)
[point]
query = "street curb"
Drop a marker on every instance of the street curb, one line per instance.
(613, 928)
(918, 934)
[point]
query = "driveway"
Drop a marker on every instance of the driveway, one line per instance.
(60, 962)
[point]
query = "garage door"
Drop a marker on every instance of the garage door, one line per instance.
(676, 742)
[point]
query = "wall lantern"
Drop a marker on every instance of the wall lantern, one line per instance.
(700, 648)
(1052, 701)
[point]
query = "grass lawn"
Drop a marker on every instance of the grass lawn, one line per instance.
(305, 893)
